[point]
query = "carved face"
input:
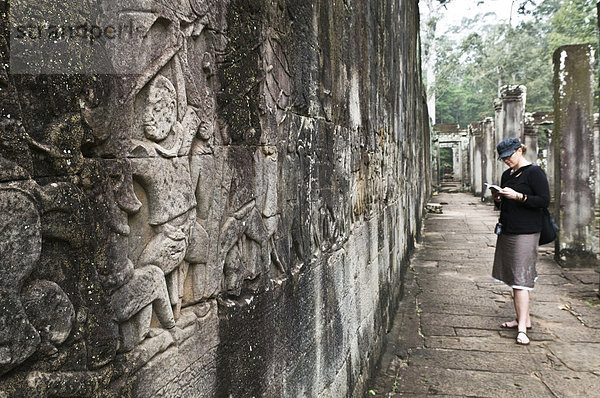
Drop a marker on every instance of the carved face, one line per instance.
(206, 128)
(160, 113)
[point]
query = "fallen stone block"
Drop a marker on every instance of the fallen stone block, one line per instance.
(433, 208)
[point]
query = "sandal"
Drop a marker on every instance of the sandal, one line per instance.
(521, 341)
(507, 325)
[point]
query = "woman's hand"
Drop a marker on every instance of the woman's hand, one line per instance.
(510, 193)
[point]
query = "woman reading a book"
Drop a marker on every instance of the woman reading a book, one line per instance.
(523, 195)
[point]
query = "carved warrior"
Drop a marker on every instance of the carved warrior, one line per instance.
(164, 174)
(247, 247)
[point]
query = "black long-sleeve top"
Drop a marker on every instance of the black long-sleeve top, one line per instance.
(524, 217)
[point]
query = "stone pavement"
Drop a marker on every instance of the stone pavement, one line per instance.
(446, 339)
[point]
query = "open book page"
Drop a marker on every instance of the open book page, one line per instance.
(492, 186)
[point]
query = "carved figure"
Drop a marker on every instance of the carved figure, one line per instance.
(159, 115)
(246, 244)
(135, 292)
(161, 166)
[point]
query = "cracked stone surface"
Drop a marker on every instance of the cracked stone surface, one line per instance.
(446, 338)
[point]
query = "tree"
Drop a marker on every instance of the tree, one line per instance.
(574, 22)
(470, 72)
(431, 17)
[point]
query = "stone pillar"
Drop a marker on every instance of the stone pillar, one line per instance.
(435, 163)
(465, 179)
(509, 118)
(530, 139)
(497, 167)
(457, 163)
(573, 140)
(598, 21)
(471, 144)
(550, 163)
(488, 155)
(513, 108)
(596, 157)
(476, 149)
(543, 123)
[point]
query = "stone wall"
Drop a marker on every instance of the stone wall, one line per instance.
(223, 204)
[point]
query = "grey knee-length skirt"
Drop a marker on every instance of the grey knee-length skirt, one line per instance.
(515, 258)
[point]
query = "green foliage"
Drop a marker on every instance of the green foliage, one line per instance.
(446, 160)
(574, 22)
(470, 72)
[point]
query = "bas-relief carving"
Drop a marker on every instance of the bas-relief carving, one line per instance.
(38, 316)
(20, 248)
(247, 249)
(154, 208)
(134, 292)
(164, 241)
(162, 168)
(175, 178)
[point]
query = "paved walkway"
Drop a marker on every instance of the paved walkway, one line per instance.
(447, 340)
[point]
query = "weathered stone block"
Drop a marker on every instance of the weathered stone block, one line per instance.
(434, 208)
(574, 184)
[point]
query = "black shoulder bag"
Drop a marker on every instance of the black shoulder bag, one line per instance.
(549, 228)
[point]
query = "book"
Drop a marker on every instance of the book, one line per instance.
(492, 186)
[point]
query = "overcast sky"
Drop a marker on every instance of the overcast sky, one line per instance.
(456, 10)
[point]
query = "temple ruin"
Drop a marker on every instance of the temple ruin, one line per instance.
(208, 198)
(565, 143)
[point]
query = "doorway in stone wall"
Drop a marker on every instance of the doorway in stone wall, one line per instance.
(446, 164)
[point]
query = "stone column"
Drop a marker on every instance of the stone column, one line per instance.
(497, 167)
(457, 163)
(470, 145)
(550, 163)
(598, 21)
(435, 163)
(488, 155)
(543, 123)
(509, 118)
(596, 156)
(476, 149)
(530, 139)
(513, 99)
(573, 140)
(465, 178)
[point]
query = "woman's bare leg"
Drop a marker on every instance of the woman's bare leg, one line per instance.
(516, 300)
(521, 301)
